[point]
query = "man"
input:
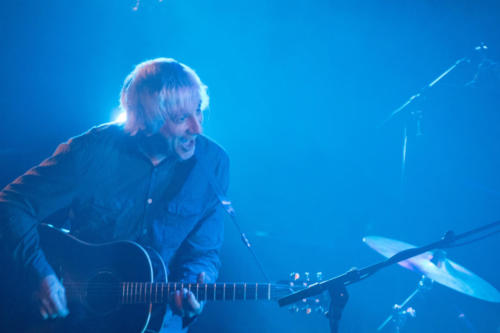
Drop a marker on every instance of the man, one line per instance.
(154, 180)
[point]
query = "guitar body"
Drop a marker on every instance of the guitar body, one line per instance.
(93, 276)
(114, 287)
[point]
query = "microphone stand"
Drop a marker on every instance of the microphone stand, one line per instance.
(416, 115)
(337, 286)
(228, 208)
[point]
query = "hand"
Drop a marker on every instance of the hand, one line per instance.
(52, 298)
(185, 304)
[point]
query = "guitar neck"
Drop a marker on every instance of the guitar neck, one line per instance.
(144, 292)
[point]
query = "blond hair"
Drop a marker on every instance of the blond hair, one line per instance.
(156, 87)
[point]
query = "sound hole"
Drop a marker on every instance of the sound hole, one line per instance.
(103, 293)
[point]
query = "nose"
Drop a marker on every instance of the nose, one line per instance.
(195, 126)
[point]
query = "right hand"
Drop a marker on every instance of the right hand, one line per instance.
(51, 297)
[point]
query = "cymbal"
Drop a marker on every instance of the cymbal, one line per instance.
(437, 267)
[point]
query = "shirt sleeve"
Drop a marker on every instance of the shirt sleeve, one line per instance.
(29, 199)
(199, 252)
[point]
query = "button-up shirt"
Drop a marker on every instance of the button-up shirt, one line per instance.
(111, 191)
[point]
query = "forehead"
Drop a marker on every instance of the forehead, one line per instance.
(181, 100)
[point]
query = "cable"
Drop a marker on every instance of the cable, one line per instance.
(475, 240)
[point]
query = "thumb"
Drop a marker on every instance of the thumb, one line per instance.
(201, 277)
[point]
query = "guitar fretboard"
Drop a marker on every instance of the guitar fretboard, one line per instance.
(144, 292)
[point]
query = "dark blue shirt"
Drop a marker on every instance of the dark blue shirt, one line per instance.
(112, 191)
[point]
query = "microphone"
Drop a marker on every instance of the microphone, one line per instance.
(485, 67)
(228, 207)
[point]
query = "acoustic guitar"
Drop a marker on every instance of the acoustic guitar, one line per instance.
(122, 286)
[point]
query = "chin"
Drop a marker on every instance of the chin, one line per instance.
(183, 155)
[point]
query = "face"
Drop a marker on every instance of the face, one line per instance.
(181, 129)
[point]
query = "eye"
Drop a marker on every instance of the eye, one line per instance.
(179, 119)
(199, 114)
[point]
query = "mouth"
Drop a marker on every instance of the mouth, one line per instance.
(187, 145)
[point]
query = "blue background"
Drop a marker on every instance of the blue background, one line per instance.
(299, 94)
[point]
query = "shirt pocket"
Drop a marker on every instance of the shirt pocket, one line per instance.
(98, 220)
(185, 207)
(175, 221)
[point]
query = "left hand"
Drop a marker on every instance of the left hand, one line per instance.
(184, 303)
(51, 298)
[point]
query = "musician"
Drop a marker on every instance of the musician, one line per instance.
(153, 180)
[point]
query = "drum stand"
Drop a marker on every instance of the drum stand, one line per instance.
(337, 286)
(400, 314)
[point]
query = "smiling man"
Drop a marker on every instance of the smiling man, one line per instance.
(153, 180)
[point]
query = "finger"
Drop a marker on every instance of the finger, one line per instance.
(178, 301)
(194, 305)
(48, 306)
(62, 297)
(43, 312)
(63, 312)
(58, 304)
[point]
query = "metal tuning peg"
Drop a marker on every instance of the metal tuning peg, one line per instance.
(294, 277)
(307, 279)
(308, 305)
(321, 310)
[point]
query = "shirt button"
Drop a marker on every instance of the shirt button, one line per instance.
(144, 231)
(150, 201)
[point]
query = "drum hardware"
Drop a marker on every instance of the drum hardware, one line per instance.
(337, 286)
(434, 266)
